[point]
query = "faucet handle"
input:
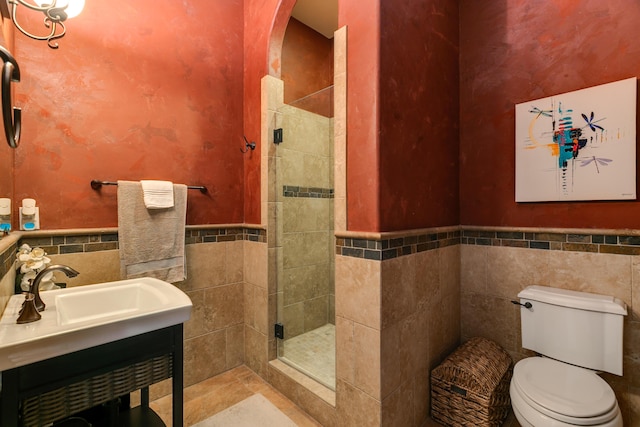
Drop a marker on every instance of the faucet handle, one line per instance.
(37, 301)
(40, 305)
(26, 298)
(29, 312)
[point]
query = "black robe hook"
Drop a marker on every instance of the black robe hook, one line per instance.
(248, 145)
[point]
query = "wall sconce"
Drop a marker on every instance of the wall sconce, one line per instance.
(55, 13)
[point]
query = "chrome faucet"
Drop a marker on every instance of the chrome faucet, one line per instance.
(35, 285)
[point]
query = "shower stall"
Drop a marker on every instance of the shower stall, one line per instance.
(304, 225)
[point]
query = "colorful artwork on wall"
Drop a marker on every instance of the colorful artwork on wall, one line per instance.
(579, 145)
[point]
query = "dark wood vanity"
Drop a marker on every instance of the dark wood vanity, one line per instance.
(53, 389)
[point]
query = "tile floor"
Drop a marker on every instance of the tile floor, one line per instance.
(314, 354)
(216, 394)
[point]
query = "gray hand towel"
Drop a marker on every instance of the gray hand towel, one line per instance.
(151, 240)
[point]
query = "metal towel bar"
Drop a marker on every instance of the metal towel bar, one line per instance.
(97, 184)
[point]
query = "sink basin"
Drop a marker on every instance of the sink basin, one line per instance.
(108, 301)
(86, 316)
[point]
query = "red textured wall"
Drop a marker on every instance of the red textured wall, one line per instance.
(363, 168)
(265, 24)
(418, 115)
(514, 51)
(307, 61)
(393, 182)
(154, 91)
(146, 96)
(264, 20)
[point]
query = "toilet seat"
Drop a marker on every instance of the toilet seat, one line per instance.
(564, 392)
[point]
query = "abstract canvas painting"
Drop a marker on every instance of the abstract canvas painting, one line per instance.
(578, 145)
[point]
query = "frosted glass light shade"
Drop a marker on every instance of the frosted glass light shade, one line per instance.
(74, 6)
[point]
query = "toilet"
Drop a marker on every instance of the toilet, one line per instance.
(576, 334)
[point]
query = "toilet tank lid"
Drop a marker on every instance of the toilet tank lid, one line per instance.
(574, 299)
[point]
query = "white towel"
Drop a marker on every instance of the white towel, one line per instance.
(157, 194)
(151, 241)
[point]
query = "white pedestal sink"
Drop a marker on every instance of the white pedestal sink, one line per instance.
(86, 316)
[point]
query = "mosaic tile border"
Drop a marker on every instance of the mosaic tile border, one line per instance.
(225, 235)
(384, 249)
(61, 244)
(7, 259)
(373, 249)
(620, 244)
(309, 192)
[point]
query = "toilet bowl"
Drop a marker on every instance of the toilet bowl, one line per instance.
(546, 392)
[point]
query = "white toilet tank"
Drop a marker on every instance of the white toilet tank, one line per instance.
(579, 328)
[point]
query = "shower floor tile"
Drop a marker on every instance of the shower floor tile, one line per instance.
(314, 354)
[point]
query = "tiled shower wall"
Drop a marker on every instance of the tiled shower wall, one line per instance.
(497, 264)
(304, 180)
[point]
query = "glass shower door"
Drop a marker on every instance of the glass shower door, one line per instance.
(306, 291)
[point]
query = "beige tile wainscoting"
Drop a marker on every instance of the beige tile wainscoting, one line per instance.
(403, 302)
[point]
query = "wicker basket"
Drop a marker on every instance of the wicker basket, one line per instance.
(471, 387)
(65, 401)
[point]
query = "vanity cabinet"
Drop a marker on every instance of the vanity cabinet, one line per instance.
(40, 393)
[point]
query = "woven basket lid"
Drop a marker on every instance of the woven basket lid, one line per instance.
(478, 365)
